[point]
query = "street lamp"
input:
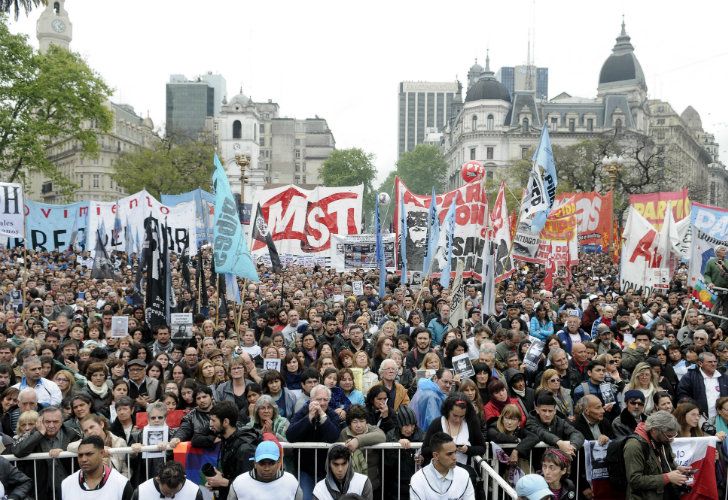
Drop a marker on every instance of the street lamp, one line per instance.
(613, 164)
(243, 161)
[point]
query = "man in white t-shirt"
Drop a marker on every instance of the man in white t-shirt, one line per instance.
(171, 482)
(442, 478)
(95, 480)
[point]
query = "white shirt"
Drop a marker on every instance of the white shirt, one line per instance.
(429, 484)
(712, 392)
(47, 391)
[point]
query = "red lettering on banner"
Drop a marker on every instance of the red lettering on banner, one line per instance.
(134, 202)
(646, 248)
(46, 212)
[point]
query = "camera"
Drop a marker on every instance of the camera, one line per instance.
(709, 428)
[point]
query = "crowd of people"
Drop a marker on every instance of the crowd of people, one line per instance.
(304, 359)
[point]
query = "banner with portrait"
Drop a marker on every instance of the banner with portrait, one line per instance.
(357, 251)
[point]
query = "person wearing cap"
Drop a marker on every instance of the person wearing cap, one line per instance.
(170, 482)
(405, 432)
(632, 414)
(605, 340)
(370, 295)
(513, 312)
(544, 425)
(266, 480)
(442, 478)
(142, 389)
(533, 487)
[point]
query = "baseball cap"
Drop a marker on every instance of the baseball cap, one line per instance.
(533, 487)
(267, 450)
(592, 297)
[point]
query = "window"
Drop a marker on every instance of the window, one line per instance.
(525, 125)
(261, 128)
(554, 123)
(660, 134)
(489, 175)
(590, 124)
(472, 153)
(95, 181)
(618, 125)
(237, 129)
(298, 153)
(298, 167)
(490, 122)
(660, 121)
(524, 152)
(489, 153)
(474, 123)
(572, 124)
(262, 141)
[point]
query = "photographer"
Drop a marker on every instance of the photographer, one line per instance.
(716, 275)
(650, 463)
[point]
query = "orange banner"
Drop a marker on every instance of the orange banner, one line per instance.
(652, 206)
(593, 218)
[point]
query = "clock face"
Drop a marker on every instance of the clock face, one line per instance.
(58, 26)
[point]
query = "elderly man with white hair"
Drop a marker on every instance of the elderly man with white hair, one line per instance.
(396, 392)
(316, 422)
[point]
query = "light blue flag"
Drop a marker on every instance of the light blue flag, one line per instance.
(229, 246)
(541, 191)
(450, 231)
(379, 249)
(433, 235)
(116, 231)
(232, 290)
(403, 239)
(128, 242)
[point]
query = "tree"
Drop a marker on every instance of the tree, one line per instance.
(17, 5)
(44, 98)
(422, 169)
(351, 167)
(168, 168)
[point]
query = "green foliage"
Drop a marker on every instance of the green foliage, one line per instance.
(351, 167)
(168, 168)
(422, 169)
(45, 98)
(17, 5)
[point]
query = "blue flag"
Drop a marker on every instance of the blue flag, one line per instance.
(128, 242)
(403, 239)
(433, 235)
(542, 182)
(450, 231)
(229, 246)
(379, 249)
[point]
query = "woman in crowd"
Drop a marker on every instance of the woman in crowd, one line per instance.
(205, 373)
(455, 347)
(154, 370)
(551, 382)
(266, 418)
(482, 376)
(541, 325)
(721, 420)
(378, 411)
(346, 382)
(186, 394)
(98, 388)
(431, 361)
(26, 424)
(178, 374)
(66, 382)
(663, 401)
(292, 370)
(404, 376)
(555, 468)
(499, 398)
(361, 360)
(381, 351)
(95, 425)
(688, 416)
(234, 388)
(507, 429)
(644, 380)
(275, 386)
(470, 389)
(338, 402)
(309, 346)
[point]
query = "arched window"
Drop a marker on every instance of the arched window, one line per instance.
(490, 122)
(237, 129)
(474, 123)
(525, 125)
(618, 125)
(56, 7)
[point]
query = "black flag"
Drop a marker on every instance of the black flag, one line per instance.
(102, 268)
(185, 263)
(203, 303)
(262, 234)
(155, 264)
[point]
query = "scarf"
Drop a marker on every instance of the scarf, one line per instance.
(499, 404)
(520, 393)
(99, 391)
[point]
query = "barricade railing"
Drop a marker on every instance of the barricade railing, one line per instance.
(492, 478)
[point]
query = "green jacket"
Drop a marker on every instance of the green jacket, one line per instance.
(373, 435)
(714, 275)
(645, 479)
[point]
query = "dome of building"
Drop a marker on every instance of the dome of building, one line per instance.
(240, 100)
(622, 65)
(487, 87)
(692, 118)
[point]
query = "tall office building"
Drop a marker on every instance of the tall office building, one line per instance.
(191, 105)
(525, 78)
(425, 107)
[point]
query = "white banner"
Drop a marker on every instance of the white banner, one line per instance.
(180, 221)
(11, 209)
(357, 251)
(702, 248)
(639, 253)
(302, 221)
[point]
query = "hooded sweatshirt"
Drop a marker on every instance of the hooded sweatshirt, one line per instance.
(426, 402)
(330, 488)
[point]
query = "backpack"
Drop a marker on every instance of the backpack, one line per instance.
(615, 461)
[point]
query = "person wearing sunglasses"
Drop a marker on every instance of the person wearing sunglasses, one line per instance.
(632, 415)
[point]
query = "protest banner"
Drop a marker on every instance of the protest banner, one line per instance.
(593, 219)
(558, 238)
(204, 210)
(711, 220)
(357, 251)
(11, 209)
(652, 206)
(302, 221)
(469, 238)
(639, 253)
(702, 249)
(500, 235)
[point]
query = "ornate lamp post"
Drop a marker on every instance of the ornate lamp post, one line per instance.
(613, 164)
(243, 161)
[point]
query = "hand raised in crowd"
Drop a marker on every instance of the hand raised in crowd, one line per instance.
(566, 447)
(40, 426)
(314, 410)
(266, 426)
(352, 444)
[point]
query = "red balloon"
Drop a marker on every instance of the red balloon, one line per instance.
(472, 171)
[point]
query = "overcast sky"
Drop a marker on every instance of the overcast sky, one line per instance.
(343, 61)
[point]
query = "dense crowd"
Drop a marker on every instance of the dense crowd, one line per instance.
(355, 370)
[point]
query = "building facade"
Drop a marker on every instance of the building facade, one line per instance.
(499, 127)
(93, 174)
(525, 78)
(190, 105)
(425, 108)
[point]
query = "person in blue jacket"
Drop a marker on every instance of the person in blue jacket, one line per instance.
(430, 394)
(541, 325)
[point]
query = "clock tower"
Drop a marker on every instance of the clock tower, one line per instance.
(54, 27)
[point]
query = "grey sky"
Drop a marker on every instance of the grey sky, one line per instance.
(343, 60)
